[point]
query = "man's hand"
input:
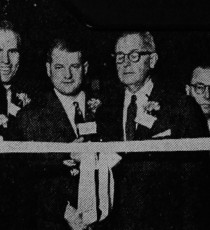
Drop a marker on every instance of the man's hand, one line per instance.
(77, 156)
(79, 140)
(74, 218)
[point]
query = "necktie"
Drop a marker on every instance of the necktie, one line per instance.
(131, 115)
(9, 99)
(78, 118)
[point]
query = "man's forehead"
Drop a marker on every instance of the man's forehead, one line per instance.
(8, 39)
(201, 75)
(62, 55)
(129, 42)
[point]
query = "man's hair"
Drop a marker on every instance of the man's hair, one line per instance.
(202, 65)
(6, 25)
(147, 39)
(69, 44)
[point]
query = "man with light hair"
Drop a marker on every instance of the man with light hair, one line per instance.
(153, 191)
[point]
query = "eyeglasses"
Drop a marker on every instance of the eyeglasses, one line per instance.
(200, 88)
(133, 56)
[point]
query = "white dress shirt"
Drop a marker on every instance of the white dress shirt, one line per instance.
(142, 98)
(67, 102)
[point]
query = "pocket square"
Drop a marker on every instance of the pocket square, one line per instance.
(163, 134)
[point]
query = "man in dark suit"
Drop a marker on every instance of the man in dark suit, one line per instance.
(65, 114)
(198, 87)
(153, 191)
(12, 99)
(12, 96)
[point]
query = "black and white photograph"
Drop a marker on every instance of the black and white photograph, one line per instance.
(104, 115)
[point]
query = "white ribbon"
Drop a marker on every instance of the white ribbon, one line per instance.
(87, 189)
(87, 196)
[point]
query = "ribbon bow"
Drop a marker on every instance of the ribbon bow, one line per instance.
(87, 207)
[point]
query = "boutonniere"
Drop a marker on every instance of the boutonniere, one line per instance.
(94, 104)
(148, 116)
(151, 107)
(23, 99)
(71, 163)
(3, 120)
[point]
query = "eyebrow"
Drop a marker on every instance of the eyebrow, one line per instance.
(129, 52)
(12, 49)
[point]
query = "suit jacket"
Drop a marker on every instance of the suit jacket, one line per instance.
(179, 113)
(9, 192)
(165, 190)
(15, 99)
(45, 176)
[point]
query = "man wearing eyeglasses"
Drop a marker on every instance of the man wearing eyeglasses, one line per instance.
(153, 191)
(199, 88)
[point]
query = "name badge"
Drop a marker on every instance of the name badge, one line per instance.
(146, 120)
(13, 109)
(87, 128)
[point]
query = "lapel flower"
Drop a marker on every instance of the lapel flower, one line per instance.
(94, 104)
(151, 107)
(24, 99)
(3, 120)
(72, 164)
(147, 116)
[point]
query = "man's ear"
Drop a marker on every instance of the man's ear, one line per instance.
(153, 60)
(48, 69)
(86, 66)
(187, 89)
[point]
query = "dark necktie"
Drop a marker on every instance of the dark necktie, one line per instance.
(130, 123)
(78, 118)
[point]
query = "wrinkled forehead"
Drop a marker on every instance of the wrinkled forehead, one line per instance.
(128, 43)
(65, 57)
(8, 39)
(201, 75)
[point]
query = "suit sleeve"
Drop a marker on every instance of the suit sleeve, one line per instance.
(15, 131)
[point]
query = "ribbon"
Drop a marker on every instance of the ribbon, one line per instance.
(87, 188)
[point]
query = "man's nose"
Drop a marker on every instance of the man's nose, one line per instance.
(127, 62)
(69, 73)
(207, 92)
(5, 58)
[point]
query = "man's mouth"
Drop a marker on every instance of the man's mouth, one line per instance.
(68, 82)
(127, 73)
(206, 106)
(5, 69)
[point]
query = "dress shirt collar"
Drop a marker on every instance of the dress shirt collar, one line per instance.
(7, 87)
(144, 91)
(69, 100)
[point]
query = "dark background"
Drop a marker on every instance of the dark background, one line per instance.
(180, 28)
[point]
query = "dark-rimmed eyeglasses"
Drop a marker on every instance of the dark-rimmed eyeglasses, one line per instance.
(200, 88)
(133, 56)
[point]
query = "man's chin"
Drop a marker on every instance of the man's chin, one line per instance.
(6, 79)
(206, 111)
(72, 92)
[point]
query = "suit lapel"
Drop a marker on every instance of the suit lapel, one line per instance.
(3, 104)
(162, 123)
(59, 119)
(118, 114)
(89, 115)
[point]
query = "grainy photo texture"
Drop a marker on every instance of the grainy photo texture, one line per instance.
(104, 124)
